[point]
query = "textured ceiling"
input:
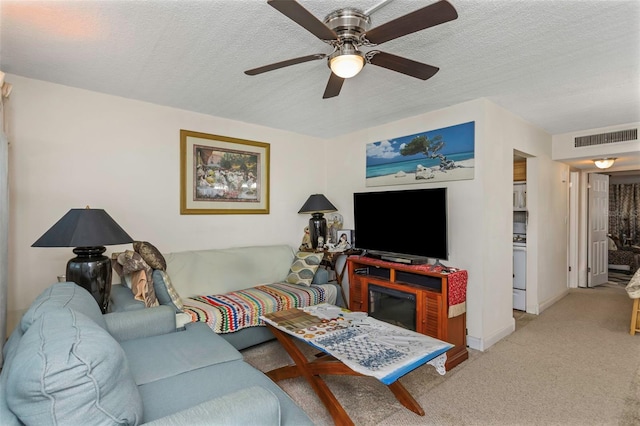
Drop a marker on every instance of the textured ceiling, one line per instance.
(563, 65)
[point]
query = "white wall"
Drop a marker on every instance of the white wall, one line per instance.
(480, 210)
(547, 205)
(346, 175)
(552, 239)
(71, 148)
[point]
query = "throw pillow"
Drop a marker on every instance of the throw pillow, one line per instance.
(612, 244)
(165, 292)
(71, 371)
(141, 277)
(633, 288)
(126, 280)
(150, 254)
(304, 267)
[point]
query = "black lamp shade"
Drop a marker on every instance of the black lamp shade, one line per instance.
(84, 228)
(317, 205)
(89, 230)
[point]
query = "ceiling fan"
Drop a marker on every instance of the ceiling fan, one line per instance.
(346, 30)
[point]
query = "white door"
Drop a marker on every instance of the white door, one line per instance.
(598, 228)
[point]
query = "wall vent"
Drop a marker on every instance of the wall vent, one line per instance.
(604, 138)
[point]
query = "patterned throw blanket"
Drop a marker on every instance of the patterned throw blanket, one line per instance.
(226, 313)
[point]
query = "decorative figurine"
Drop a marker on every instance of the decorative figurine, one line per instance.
(306, 240)
(329, 245)
(334, 220)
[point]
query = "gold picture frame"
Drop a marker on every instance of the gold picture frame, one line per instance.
(223, 175)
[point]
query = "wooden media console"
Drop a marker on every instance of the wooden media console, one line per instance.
(436, 315)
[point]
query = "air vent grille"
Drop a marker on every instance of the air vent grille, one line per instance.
(604, 138)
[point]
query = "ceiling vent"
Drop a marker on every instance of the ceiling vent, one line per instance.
(605, 138)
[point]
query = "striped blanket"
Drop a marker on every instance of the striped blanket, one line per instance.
(226, 313)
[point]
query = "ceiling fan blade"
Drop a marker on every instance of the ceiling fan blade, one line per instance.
(286, 63)
(429, 16)
(333, 86)
(403, 65)
(301, 16)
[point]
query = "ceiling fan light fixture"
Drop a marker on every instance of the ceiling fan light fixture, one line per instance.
(346, 66)
(347, 29)
(604, 163)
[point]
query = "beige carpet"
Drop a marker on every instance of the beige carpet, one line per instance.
(575, 364)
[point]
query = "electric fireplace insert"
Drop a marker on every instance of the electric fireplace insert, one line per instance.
(392, 306)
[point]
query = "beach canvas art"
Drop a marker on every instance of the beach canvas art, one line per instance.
(433, 156)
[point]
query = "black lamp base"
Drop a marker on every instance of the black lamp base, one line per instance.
(317, 228)
(92, 271)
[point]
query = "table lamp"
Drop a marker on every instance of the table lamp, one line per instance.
(88, 230)
(317, 205)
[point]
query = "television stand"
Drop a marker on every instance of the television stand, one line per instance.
(440, 297)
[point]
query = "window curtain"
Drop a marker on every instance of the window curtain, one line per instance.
(5, 90)
(624, 207)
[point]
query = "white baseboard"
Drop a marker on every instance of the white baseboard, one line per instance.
(474, 343)
(544, 305)
(483, 344)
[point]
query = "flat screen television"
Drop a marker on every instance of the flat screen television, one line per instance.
(408, 226)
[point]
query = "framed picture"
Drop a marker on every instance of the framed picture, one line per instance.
(223, 175)
(433, 156)
(345, 237)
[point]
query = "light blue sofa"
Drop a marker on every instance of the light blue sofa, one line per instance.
(67, 364)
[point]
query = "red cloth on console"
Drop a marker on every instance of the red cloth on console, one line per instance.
(457, 287)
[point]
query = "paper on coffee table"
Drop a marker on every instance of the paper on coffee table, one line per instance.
(366, 345)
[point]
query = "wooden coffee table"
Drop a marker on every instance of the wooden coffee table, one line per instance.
(334, 337)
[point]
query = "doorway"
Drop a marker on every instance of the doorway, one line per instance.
(584, 222)
(520, 219)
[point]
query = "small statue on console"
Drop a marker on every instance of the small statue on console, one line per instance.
(329, 245)
(334, 222)
(306, 240)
